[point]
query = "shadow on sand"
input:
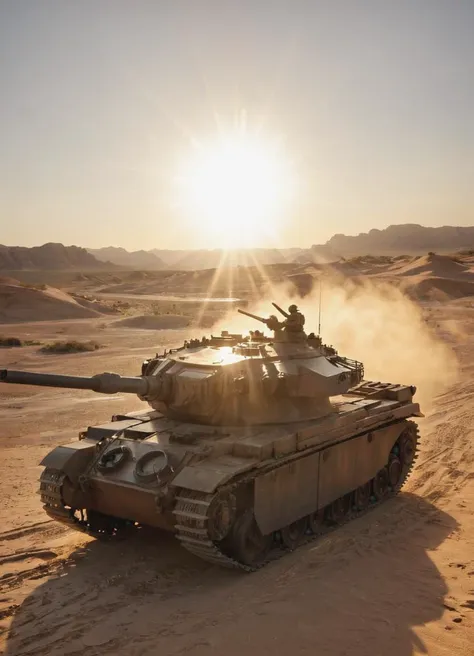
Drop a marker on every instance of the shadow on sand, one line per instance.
(359, 591)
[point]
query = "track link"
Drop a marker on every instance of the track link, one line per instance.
(191, 513)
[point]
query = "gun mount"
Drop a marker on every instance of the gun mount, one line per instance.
(250, 446)
(281, 333)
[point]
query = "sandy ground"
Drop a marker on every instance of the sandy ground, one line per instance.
(399, 581)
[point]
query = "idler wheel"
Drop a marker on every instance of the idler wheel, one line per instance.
(381, 484)
(221, 516)
(340, 508)
(153, 466)
(316, 521)
(113, 459)
(394, 471)
(362, 496)
(293, 534)
(250, 547)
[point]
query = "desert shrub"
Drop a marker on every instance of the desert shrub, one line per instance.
(70, 347)
(161, 308)
(7, 342)
(122, 307)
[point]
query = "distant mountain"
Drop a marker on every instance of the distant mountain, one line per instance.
(170, 257)
(291, 253)
(135, 259)
(404, 238)
(48, 257)
(395, 240)
(316, 255)
(188, 260)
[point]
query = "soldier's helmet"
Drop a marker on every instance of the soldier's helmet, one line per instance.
(292, 308)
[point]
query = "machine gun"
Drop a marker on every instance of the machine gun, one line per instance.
(285, 314)
(272, 322)
(253, 316)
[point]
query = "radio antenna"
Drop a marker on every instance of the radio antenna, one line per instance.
(320, 295)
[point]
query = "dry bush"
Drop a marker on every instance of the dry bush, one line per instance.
(7, 342)
(70, 347)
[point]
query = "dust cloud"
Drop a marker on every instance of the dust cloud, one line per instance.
(374, 323)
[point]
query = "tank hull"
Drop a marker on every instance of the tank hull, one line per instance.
(236, 496)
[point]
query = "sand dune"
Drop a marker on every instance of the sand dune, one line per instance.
(433, 265)
(22, 303)
(428, 277)
(437, 288)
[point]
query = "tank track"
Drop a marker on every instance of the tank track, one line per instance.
(51, 481)
(191, 512)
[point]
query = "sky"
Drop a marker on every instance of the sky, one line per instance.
(101, 100)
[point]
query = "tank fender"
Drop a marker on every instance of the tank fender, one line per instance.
(287, 493)
(346, 466)
(206, 476)
(299, 488)
(71, 458)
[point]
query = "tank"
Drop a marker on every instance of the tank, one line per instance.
(251, 445)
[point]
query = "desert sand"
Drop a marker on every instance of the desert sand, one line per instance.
(399, 581)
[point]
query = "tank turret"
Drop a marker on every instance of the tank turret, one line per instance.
(231, 379)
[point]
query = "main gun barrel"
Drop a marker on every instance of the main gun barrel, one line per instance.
(106, 383)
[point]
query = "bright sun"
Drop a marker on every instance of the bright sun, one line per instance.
(238, 187)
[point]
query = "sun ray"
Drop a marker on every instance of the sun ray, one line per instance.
(253, 284)
(230, 281)
(261, 269)
(215, 279)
